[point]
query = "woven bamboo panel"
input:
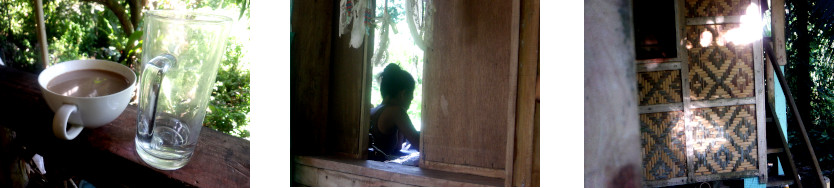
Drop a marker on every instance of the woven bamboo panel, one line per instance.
(702, 8)
(663, 141)
(719, 70)
(659, 87)
(724, 139)
(712, 35)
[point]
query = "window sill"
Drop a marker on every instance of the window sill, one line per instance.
(331, 171)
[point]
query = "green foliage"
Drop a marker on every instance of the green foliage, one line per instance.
(229, 107)
(821, 72)
(17, 36)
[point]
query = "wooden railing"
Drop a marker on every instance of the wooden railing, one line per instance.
(106, 156)
(817, 173)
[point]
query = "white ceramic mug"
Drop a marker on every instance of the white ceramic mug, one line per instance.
(80, 112)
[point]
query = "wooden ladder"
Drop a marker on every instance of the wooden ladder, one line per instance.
(778, 145)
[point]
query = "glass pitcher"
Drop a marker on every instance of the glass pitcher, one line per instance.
(180, 56)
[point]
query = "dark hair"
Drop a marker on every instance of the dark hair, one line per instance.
(395, 79)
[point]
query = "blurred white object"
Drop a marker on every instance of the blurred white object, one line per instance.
(38, 159)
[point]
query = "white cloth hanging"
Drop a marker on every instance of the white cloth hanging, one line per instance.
(353, 12)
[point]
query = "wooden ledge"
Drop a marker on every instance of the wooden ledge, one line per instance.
(331, 171)
(106, 156)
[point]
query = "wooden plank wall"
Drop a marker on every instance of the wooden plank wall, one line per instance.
(345, 111)
(310, 59)
(470, 86)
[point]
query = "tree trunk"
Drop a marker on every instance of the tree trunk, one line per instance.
(803, 56)
(136, 11)
(802, 74)
(120, 12)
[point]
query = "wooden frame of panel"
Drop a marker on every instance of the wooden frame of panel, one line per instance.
(679, 63)
(682, 63)
(365, 106)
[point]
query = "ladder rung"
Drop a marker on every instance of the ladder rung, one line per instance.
(775, 150)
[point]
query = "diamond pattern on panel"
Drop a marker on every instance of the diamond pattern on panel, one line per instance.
(663, 144)
(724, 139)
(659, 87)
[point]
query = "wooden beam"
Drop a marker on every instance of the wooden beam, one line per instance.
(536, 181)
(661, 108)
(685, 89)
(515, 38)
(724, 176)
(305, 175)
(367, 90)
(759, 81)
(713, 20)
(777, 21)
(528, 52)
(666, 182)
(722, 102)
(318, 177)
(662, 60)
(775, 150)
(648, 67)
(770, 93)
(466, 169)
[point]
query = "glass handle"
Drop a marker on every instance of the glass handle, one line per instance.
(151, 82)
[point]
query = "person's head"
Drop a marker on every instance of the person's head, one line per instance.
(397, 86)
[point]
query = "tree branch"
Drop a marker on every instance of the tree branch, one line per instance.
(136, 11)
(120, 13)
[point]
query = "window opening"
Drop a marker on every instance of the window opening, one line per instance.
(402, 42)
(654, 29)
(397, 45)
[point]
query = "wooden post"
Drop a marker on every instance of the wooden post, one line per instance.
(777, 20)
(528, 52)
(514, 80)
(41, 32)
(612, 130)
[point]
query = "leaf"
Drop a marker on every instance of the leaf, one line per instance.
(243, 8)
(135, 36)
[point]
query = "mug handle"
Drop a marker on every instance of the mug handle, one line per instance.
(152, 74)
(59, 123)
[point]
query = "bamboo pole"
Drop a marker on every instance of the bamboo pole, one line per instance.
(41, 33)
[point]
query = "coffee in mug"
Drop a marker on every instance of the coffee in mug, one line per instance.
(88, 83)
(85, 93)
